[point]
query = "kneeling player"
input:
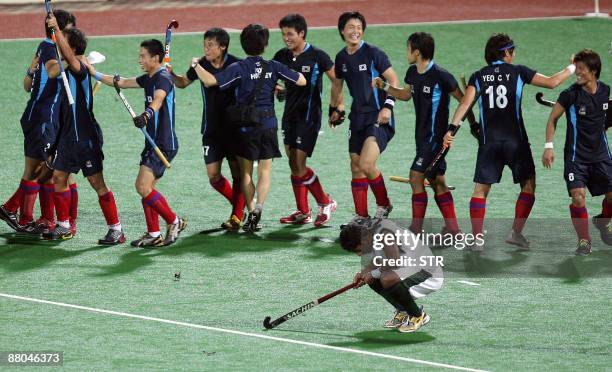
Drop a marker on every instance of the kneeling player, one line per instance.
(302, 118)
(217, 135)
(158, 119)
(80, 142)
(399, 273)
(588, 162)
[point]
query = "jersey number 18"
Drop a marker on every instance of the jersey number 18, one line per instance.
(501, 100)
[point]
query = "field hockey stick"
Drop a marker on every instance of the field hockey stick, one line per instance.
(173, 24)
(143, 130)
(59, 57)
(540, 99)
(300, 310)
(444, 150)
(407, 180)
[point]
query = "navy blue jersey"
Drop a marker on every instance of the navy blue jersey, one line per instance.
(77, 121)
(215, 100)
(586, 139)
(44, 97)
(301, 102)
(358, 70)
(161, 129)
(243, 75)
(431, 95)
(501, 117)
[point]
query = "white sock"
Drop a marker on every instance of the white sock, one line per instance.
(175, 220)
(116, 227)
(154, 234)
(64, 224)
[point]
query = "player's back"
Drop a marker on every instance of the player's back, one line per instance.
(500, 86)
(77, 121)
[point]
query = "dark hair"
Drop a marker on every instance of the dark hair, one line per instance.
(423, 42)
(346, 16)
(154, 47)
(220, 35)
(497, 46)
(76, 39)
(295, 21)
(350, 236)
(63, 18)
(591, 59)
(254, 39)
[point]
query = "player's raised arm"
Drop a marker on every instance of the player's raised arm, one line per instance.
(403, 94)
(29, 76)
(73, 62)
(557, 79)
(206, 77)
(548, 157)
(180, 81)
(109, 79)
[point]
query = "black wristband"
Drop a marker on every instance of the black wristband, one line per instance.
(389, 106)
(30, 73)
(331, 111)
(453, 128)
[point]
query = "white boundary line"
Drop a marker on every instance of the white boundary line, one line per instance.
(215, 329)
(233, 30)
(467, 282)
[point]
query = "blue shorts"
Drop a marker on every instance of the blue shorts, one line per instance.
(301, 134)
(494, 155)
(149, 159)
(597, 177)
(39, 139)
(424, 157)
(73, 156)
(217, 148)
(364, 125)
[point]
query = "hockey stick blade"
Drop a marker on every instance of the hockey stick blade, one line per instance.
(540, 99)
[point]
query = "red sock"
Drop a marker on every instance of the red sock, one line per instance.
(151, 217)
(447, 208)
(524, 203)
(28, 199)
(62, 205)
(311, 180)
(419, 206)
(477, 213)
(74, 203)
(12, 205)
(301, 194)
(580, 220)
(237, 199)
(109, 208)
(380, 191)
(47, 205)
(224, 188)
(606, 210)
(157, 201)
(359, 187)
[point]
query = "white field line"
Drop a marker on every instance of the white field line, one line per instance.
(468, 282)
(239, 333)
(233, 30)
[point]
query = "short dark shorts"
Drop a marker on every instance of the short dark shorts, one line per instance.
(258, 144)
(424, 157)
(493, 156)
(149, 159)
(597, 177)
(368, 127)
(73, 156)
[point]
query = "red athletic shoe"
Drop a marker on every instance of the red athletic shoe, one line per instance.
(325, 212)
(297, 218)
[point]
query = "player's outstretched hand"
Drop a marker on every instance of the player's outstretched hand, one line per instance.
(358, 279)
(378, 83)
(141, 120)
(448, 139)
(384, 116)
(195, 61)
(548, 158)
(368, 278)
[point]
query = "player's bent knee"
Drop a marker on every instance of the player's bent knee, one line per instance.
(388, 279)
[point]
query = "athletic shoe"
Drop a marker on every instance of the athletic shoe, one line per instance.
(353, 220)
(518, 239)
(29, 228)
(584, 248)
(10, 218)
(252, 224)
(414, 323)
(112, 237)
(44, 226)
(59, 233)
(325, 212)
(605, 229)
(398, 319)
(232, 224)
(383, 212)
(173, 230)
(148, 241)
(297, 218)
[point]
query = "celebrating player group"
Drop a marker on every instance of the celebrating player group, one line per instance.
(239, 124)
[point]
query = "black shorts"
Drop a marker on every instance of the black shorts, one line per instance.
(301, 135)
(597, 177)
(424, 157)
(368, 127)
(258, 144)
(494, 155)
(217, 148)
(39, 139)
(73, 156)
(149, 159)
